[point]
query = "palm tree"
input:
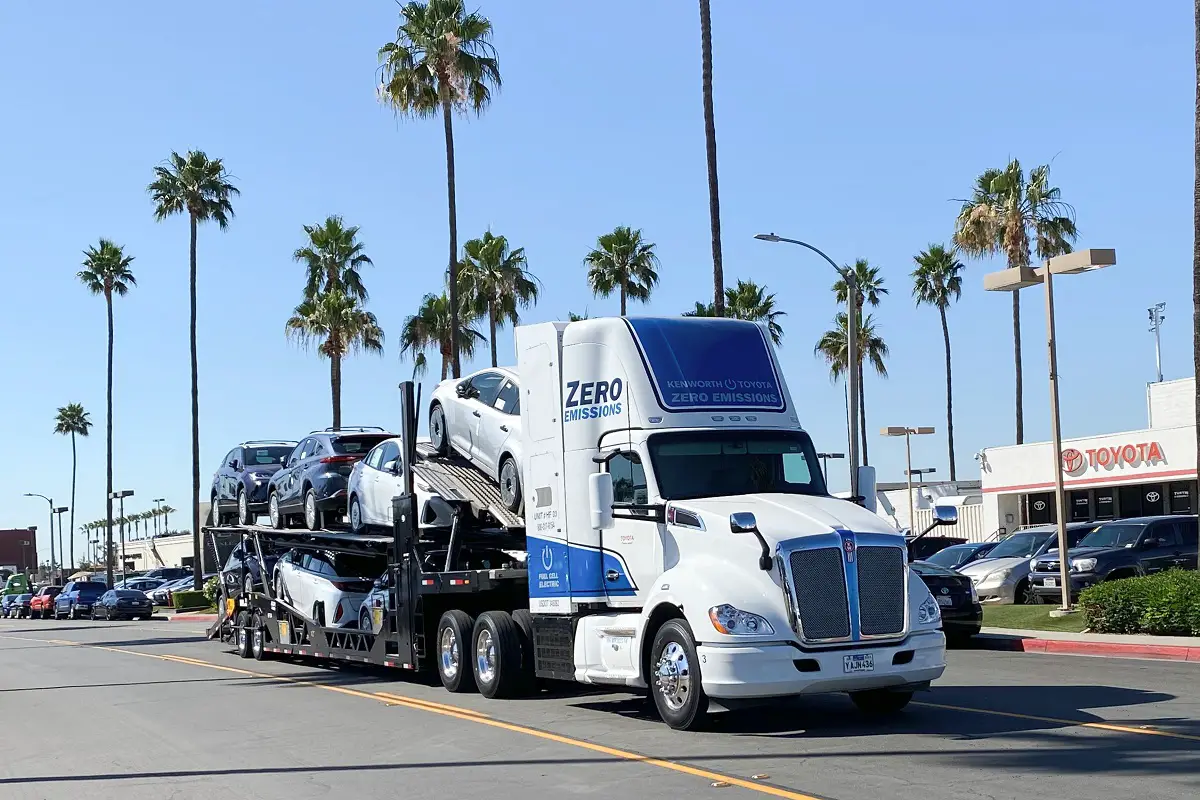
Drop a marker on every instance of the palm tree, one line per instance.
(622, 262)
(573, 317)
(937, 281)
(870, 290)
(747, 301)
(166, 511)
(430, 328)
(494, 281)
(332, 259)
(441, 61)
(1004, 211)
(200, 187)
(339, 326)
(710, 146)
(832, 347)
(73, 420)
(106, 272)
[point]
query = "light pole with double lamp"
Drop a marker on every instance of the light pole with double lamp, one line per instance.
(120, 496)
(158, 501)
(825, 463)
(51, 503)
(851, 349)
(1013, 280)
(908, 433)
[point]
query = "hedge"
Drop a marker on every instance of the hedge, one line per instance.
(189, 599)
(1165, 604)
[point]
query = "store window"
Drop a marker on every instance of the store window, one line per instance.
(1130, 500)
(1154, 499)
(1081, 506)
(1105, 504)
(1041, 508)
(1183, 497)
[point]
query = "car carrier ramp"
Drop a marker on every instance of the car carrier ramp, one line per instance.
(456, 480)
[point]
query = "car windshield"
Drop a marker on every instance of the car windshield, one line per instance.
(347, 566)
(1074, 536)
(357, 445)
(1020, 545)
(951, 556)
(693, 464)
(265, 456)
(1113, 535)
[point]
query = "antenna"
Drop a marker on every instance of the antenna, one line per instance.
(1156, 321)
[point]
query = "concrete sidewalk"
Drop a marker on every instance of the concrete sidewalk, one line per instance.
(1166, 648)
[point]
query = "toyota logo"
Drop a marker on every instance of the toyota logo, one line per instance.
(1153, 497)
(945, 590)
(1072, 460)
(1039, 505)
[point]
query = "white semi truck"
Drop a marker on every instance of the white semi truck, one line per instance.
(678, 538)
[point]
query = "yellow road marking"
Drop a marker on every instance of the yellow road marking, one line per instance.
(1104, 726)
(431, 704)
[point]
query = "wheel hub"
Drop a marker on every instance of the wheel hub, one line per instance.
(673, 676)
(485, 656)
(449, 653)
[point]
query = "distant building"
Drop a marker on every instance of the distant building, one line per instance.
(18, 549)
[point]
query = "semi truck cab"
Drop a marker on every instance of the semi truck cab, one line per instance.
(680, 534)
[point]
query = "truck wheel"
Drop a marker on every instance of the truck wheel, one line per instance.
(881, 701)
(244, 517)
(524, 620)
(258, 639)
(497, 650)
(453, 642)
(438, 436)
(675, 677)
(510, 484)
(242, 637)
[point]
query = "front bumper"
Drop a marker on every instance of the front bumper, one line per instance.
(962, 621)
(999, 594)
(771, 670)
(1079, 582)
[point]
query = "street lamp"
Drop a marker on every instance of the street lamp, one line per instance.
(158, 501)
(908, 433)
(119, 496)
(51, 502)
(62, 554)
(825, 462)
(1015, 279)
(851, 348)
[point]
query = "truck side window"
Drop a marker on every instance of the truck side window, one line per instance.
(1187, 531)
(629, 478)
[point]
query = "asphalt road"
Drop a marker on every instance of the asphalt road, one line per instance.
(151, 710)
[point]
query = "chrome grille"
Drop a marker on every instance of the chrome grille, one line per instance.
(1045, 566)
(881, 591)
(819, 582)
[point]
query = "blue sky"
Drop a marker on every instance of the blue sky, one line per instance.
(852, 125)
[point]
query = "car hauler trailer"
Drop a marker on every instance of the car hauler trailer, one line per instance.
(678, 538)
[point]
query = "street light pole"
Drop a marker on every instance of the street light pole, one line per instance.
(61, 552)
(158, 501)
(851, 348)
(908, 433)
(51, 503)
(1156, 321)
(825, 463)
(120, 497)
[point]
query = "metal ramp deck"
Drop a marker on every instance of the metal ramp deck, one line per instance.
(456, 480)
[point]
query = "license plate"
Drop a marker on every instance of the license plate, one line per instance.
(943, 600)
(859, 662)
(1051, 582)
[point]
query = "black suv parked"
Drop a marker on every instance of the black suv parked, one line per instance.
(1120, 549)
(239, 490)
(312, 481)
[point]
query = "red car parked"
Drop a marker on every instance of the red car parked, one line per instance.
(41, 606)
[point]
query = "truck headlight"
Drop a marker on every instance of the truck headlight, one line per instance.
(735, 622)
(1083, 564)
(929, 612)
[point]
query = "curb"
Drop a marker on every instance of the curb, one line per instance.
(213, 618)
(991, 641)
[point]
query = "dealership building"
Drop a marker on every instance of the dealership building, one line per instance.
(1111, 476)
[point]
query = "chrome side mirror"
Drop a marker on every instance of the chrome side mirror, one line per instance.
(946, 515)
(743, 522)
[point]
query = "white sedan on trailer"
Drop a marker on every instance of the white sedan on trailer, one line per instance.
(479, 416)
(376, 479)
(328, 587)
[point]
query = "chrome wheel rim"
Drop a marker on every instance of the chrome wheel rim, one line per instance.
(241, 639)
(673, 676)
(450, 653)
(364, 622)
(437, 428)
(355, 515)
(274, 511)
(508, 481)
(258, 641)
(485, 656)
(310, 511)
(243, 509)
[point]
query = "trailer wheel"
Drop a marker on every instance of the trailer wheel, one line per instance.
(258, 639)
(524, 620)
(453, 657)
(675, 679)
(496, 646)
(242, 634)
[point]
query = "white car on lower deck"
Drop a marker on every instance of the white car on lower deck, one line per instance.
(327, 587)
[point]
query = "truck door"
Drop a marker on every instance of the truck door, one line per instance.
(632, 549)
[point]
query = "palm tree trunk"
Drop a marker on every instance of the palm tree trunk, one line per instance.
(452, 289)
(1017, 357)
(622, 298)
(950, 392)
(1196, 239)
(862, 413)
(74, 463)
(109, 448)
(335, 387)
(492, 330)
(197, 567)
(710, 142)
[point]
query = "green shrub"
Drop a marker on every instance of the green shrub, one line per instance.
(212, 590)
(189, 599)
(1166, 604)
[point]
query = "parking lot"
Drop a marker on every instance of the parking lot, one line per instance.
(182, 717)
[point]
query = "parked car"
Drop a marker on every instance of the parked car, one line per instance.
(42, 604)
(168, 573)
(122, 604)
(231, 573)
(479, 417)
(140, 584)
(1003, 577)
(77, 598)
(20, 606)
(161, 596)
(312, 481)
(959, 555)
(375, 601)
(328, 587)
(240, 485)
(185, 585)
(962, 613)
(6, 605)
(1120, 549)
(376, 479)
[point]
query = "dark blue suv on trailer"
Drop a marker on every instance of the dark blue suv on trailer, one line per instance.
(239, 490)
(312, 482)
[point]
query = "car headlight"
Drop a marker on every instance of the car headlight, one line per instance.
(999, 576)
(735, 622)
(929, 612)
(1083, 564)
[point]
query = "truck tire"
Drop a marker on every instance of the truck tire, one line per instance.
(438, 436)
(524, 620)
(258, 639)
(242, 634)
(496, 647)
(453, 644)
(881, 701)
(674, 678)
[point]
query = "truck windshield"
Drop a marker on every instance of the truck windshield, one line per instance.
(694, 464)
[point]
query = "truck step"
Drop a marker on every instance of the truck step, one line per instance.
(457, 480)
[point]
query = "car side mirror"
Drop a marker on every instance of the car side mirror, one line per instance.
(600, 500)
(462, 389)
(234, 464)
(946, 515)
(391, 465)
(378, 584)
